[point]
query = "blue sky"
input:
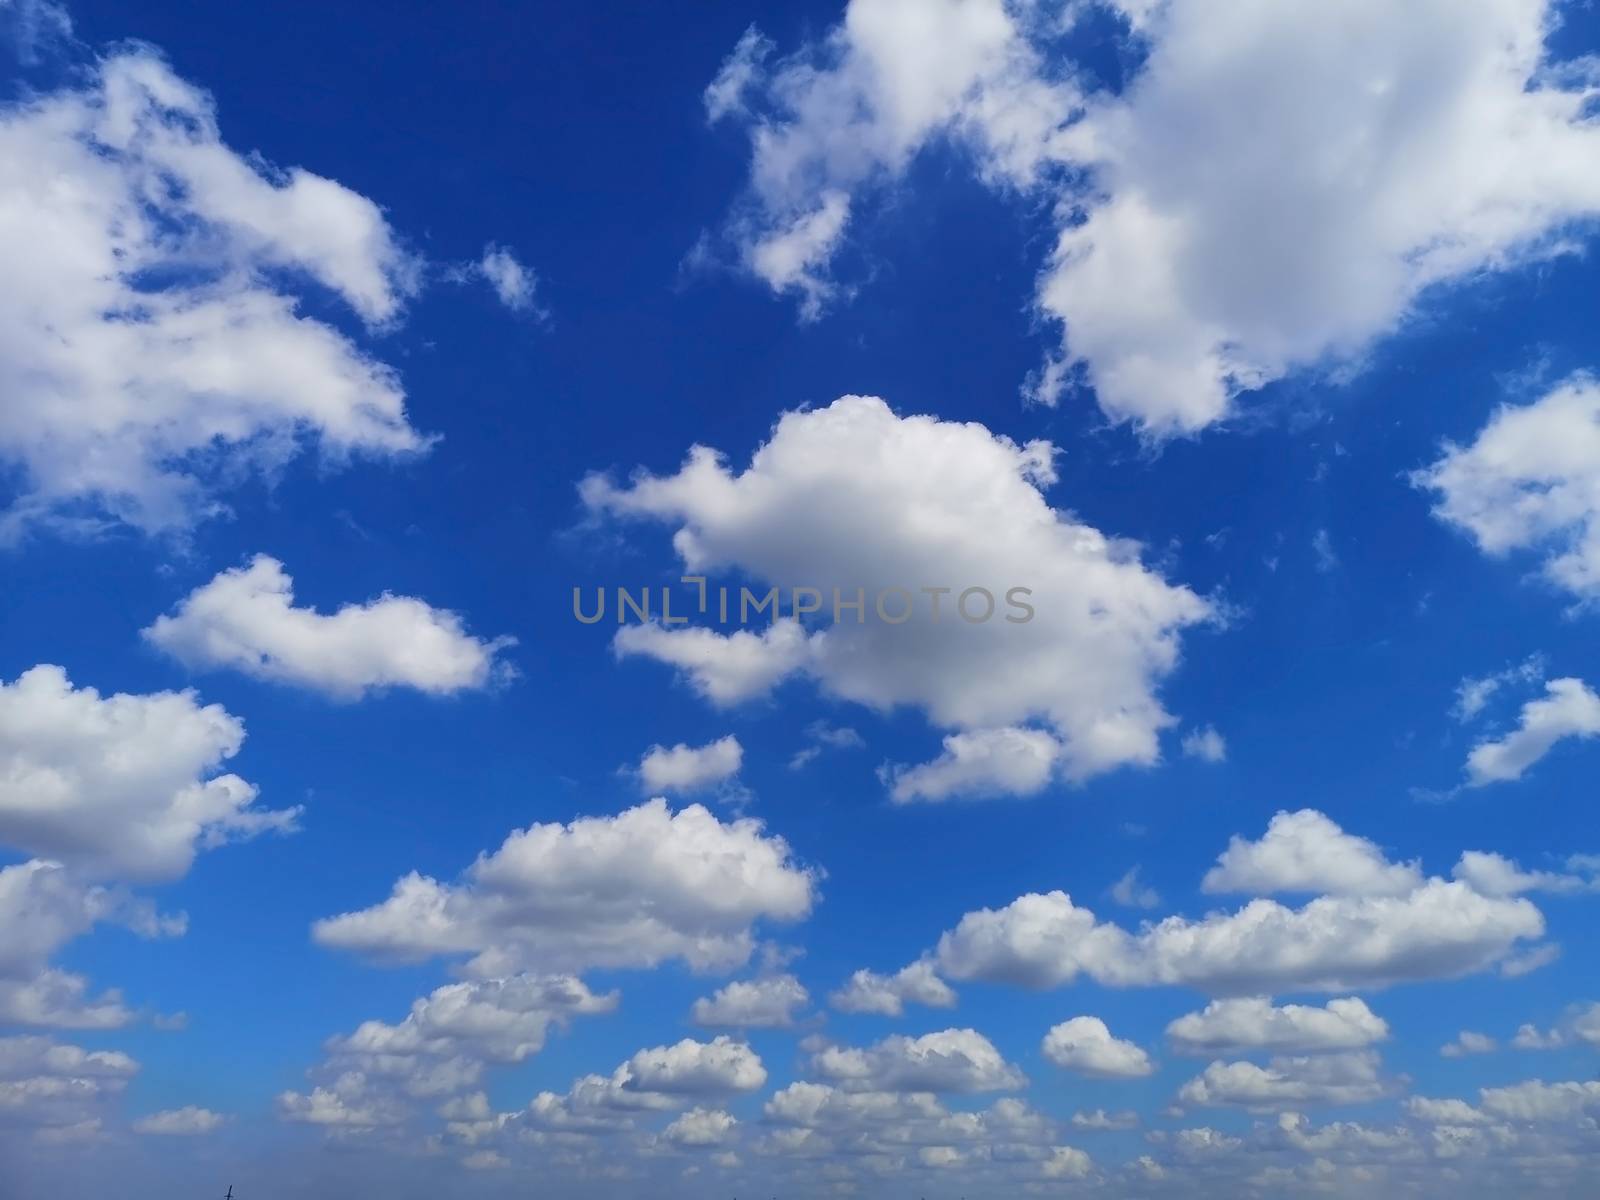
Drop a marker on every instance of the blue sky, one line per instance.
(1256, 344)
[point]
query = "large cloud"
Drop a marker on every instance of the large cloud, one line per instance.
(107, 790)
(1437, 929)
(122, 786)
(246, 619)
(632, 890)
(1253, 203)
(145, 344)
(852, 497)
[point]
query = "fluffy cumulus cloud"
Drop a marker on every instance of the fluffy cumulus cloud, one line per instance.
(1248, 1024)
(1012, 762)
(121, 786)
(852, 498)
(1362, 933)
(768, 1003)
(685, 768)
(188, 1121)
(59, 1091)
(888, 995)
(246, 620)
(1351, 1077)
(1569, 709)
(1530, 481)
(151, 341)
(1307, 852)
(107, 792)
(1214, 236)
(633, 890)
(1085, 1045)
(952, 1060)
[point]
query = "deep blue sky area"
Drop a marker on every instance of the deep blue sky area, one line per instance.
(1346, 613)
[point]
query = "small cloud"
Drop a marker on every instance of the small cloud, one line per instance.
(1205, 744)
(1131, 892)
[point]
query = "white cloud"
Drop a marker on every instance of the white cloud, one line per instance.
(1495, 875)
(753, 1004)
(1085, 1045)
(700, 1127)
(1306, 852)
(692, 1068)
(1349, 1077)
(951, 1060)
(1581, 1025)
(1131, 892)
(245, 619)
(512, 282)
(858, 107)
(496, 1020)
(888, 995)
(684, 768)
(1337, 941)
(1531, 481)
(739, 72)
(1205, 744)
(1473, 694)
(188, 1121)
(60, 1089)
(1570, 709)
(825, 737)
(1067, 1162)
(1467, 1042)
(1219, 229)
(1101, 1121)
(854, 497)
(1536, 1101)
(985, 762)
(1253, 1023)
(128, 399)
(120, 786)
(632, 890)
(56, 999)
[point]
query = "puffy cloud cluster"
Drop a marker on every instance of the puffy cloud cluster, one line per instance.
(105, 791)
(853, 496)
(246, 620)
(633, 890)
(1349, 1077)
(150, 339)
(1254, 1023)
(1194, 261)
(58, 1089)
(1365, 931)
(952, 1060)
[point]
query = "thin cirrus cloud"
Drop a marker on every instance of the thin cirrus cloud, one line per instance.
(245, 619)
(855, 496)
(1191, 263)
